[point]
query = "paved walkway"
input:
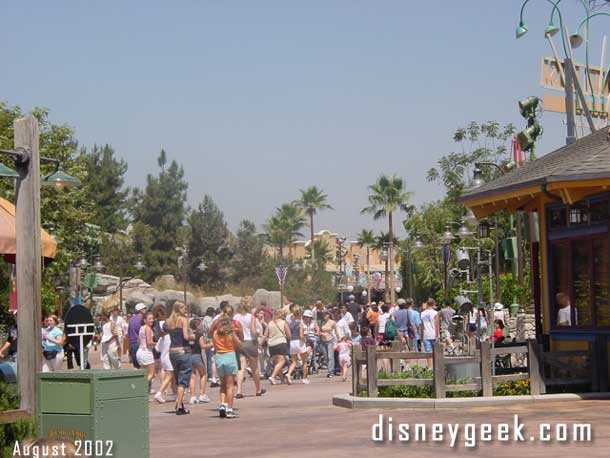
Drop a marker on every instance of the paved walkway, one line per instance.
(299, 421)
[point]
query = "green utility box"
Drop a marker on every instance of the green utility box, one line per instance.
(102, 409)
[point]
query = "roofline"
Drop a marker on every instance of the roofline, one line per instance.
(502, 190)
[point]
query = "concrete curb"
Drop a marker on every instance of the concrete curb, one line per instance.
(350, 402)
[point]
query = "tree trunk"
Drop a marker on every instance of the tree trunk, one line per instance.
(391, 258)
(313, 254)
(368, 274)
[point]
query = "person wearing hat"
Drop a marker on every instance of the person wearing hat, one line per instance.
(499, 313)
(133, 330)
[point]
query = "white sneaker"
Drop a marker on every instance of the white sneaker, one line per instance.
(159, 398)
(222, 410)
(204, 398)
(306, 381)
(272, 381)
(193, 400)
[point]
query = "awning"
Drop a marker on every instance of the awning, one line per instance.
(8, 228)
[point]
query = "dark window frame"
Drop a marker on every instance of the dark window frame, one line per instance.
(568, 234)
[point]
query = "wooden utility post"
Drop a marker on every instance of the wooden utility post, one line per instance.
(28, 260)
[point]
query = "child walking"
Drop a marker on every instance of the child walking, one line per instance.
(344, 347)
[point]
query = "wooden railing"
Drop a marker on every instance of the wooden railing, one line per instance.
(11, 416)
(485, 358)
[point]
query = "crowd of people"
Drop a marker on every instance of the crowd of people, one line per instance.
(285, 345)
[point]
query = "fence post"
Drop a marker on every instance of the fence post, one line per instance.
(371, 370)
(533, 365)
(438, 364)
(395, 348)
(602, 362)
(486, 374)
(356, 355)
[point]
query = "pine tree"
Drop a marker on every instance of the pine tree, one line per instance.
(209, 240)
(105, 180)
(249, 254)
(158, 212)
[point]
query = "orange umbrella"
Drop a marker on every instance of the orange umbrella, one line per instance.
(8, 246)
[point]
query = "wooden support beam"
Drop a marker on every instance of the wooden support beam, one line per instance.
(486, 374)
(371, 371)
(439, 370)
(28, 261)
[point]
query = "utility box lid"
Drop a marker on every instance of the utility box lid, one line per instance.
(78, 392)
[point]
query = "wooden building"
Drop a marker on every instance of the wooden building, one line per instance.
(569, 189)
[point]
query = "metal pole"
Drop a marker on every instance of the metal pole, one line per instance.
(497, 254)
(569, 94)
(28, 256)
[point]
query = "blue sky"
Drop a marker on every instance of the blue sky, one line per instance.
(257, 99)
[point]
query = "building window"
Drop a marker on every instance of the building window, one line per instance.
(601, 279)
(580, 268)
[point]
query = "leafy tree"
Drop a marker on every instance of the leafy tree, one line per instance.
(311, 201)
(386, 197)
(66, 213)
(159, 210)
(105, 187)
(478, 142)
(247, 262)
(209, 237)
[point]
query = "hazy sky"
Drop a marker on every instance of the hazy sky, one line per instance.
(257, 99)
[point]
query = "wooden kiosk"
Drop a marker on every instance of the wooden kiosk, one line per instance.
(569, 189)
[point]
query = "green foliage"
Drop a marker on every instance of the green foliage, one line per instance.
(208, 241)
(65, 212)
(12, 432)
(479, 142)
(519, 388)
(158, 212)
(405, 391)
(247, 261)
(284, 226)
(311, 201)
(105, 181)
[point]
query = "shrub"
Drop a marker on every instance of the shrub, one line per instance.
(12, 432)
(519, 388)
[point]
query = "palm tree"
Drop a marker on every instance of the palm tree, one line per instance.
(324, 253)
(312, 199)
(284, 226)
(387, 196)
(366, 238)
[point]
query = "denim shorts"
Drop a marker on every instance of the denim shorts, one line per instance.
(226, 364)
(197, 360)
(182, 368)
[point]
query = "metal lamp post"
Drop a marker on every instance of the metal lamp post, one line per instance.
(91, 270)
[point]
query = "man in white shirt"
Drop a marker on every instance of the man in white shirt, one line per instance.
(343, 323)
(347, 316)
(564, 315)
(429, 318)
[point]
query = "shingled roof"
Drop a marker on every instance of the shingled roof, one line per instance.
(586, 159)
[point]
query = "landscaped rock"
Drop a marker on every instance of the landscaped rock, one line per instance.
(136, 297)
(202, 304)
(232, 300)
(169, 296)
(106, 284)
(271, 298)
